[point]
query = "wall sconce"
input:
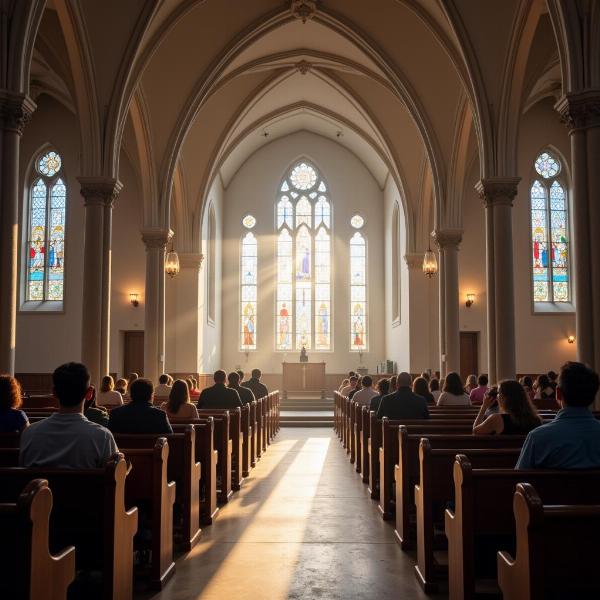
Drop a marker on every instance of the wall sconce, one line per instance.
(133, 298)
(571, 339)
(470, 300)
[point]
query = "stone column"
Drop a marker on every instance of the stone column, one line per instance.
(99, 194)
(15, 112)
(448, 241)
(498, 194)
(581, 113)
(156, 240)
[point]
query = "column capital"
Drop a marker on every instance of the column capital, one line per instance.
(495, 191)
(156, 237)
(191, 260)
(15, 110)
(448, 238)
(580, 110)
(100, 191)
(414, 260)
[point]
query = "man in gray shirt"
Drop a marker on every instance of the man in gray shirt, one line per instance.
(67, 440)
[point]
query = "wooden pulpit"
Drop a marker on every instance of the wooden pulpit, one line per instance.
(304, 377)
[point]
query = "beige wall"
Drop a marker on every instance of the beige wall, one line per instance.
(254, 189)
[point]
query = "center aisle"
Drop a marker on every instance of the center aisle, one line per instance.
(302, 526)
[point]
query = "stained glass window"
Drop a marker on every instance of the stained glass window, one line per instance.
(549, 233)
(45, 252)
(303, 307)
(357, 221)
(248, 221)
(358, 292)
(248, 305)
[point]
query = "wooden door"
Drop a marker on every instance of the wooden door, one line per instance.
(469, 351)
(133, 352)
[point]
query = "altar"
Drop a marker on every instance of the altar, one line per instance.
(304, 377)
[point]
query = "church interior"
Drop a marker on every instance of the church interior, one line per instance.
(327, 197)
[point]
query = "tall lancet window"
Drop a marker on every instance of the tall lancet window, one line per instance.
(549, 232)
(303, 306)
(45, 243)
(358, 287)
(248, 283)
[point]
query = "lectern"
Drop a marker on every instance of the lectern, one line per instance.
(304, 377)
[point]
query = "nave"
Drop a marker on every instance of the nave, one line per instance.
(301, 527)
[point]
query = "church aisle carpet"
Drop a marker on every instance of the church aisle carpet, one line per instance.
(302, 527)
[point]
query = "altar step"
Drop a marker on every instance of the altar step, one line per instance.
(304, 404)
(306, 418)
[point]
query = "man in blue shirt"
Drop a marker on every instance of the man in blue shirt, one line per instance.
(572, 439)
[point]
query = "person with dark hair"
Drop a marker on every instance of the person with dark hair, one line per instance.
(11, 418)
(454, 393)
(94, 413)
(132, 377)
(516, 415)
(66, 439)
(478, 393)
(426, 376)
(553, 378)
(356, 388)
(421, 388)
(218, 395)
(254, 384)
(403, 403)
(434, 388)
(393, 383)
(543, 389)
(179, 405)
(121, 386)
(383, 389)
(527, 383)
(245, 394)
(163, 389)
(140, 415)
(352, 383)
(572, 439)
(241, 375)
(364, 395)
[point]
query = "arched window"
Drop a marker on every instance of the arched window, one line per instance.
(395, 265)
(358, 288)
(45, 252)
(212, 264)
(549, 232)
(303, 312)
(248, 283)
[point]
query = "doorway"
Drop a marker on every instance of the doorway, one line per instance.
(133, 353)
(469, 352)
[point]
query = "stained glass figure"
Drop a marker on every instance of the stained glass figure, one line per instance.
(303, 262)
(549, 233)
(249, 280)
(45, 257)
(358, 292)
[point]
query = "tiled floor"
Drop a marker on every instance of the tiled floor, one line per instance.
(302, 527)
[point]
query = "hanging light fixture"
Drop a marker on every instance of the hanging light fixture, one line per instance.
(430, 265)
(172, 263)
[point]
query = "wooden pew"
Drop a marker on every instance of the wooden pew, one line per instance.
(184, 470)
(388, 451)
(557, 550)
(247, 432)
(29, 570)
(483, 514)
(39, 401)
(149, 488)
(407, 471)
(88, 513)
(351, 428)
(364, 444)
(357, 433)
(254, 438)
(434, 490)
(373, 444)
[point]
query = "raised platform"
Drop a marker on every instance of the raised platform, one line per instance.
(306, 411)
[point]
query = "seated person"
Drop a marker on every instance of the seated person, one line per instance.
(366, 392)
(383, 388)
(163, 389)
(94, 413)
(352, 383)
(477, 394)
(218, 395)
(527, 383)
(421, 388)
(543, 388)
(357, 388)
(516, 415)
(11, 418)
(572, 439)
(193, 387)
(470, 384)
(108, 396)
(403, 403)
(121, 387)
(139, 415)
(258, 389)
(179, 405)
(453, 394)
(245, 394)
(66, 439)
(434, 388)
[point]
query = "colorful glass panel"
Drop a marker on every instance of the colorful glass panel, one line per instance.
(49, 164)
(303, 212)
(322, 212)
(303, 314)
(549, 234)
(284, 291)
(303, 177)
(248, 303)
(357, 221)
(303, 255)
(285, 213)
(358, 293)
(249, 222)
